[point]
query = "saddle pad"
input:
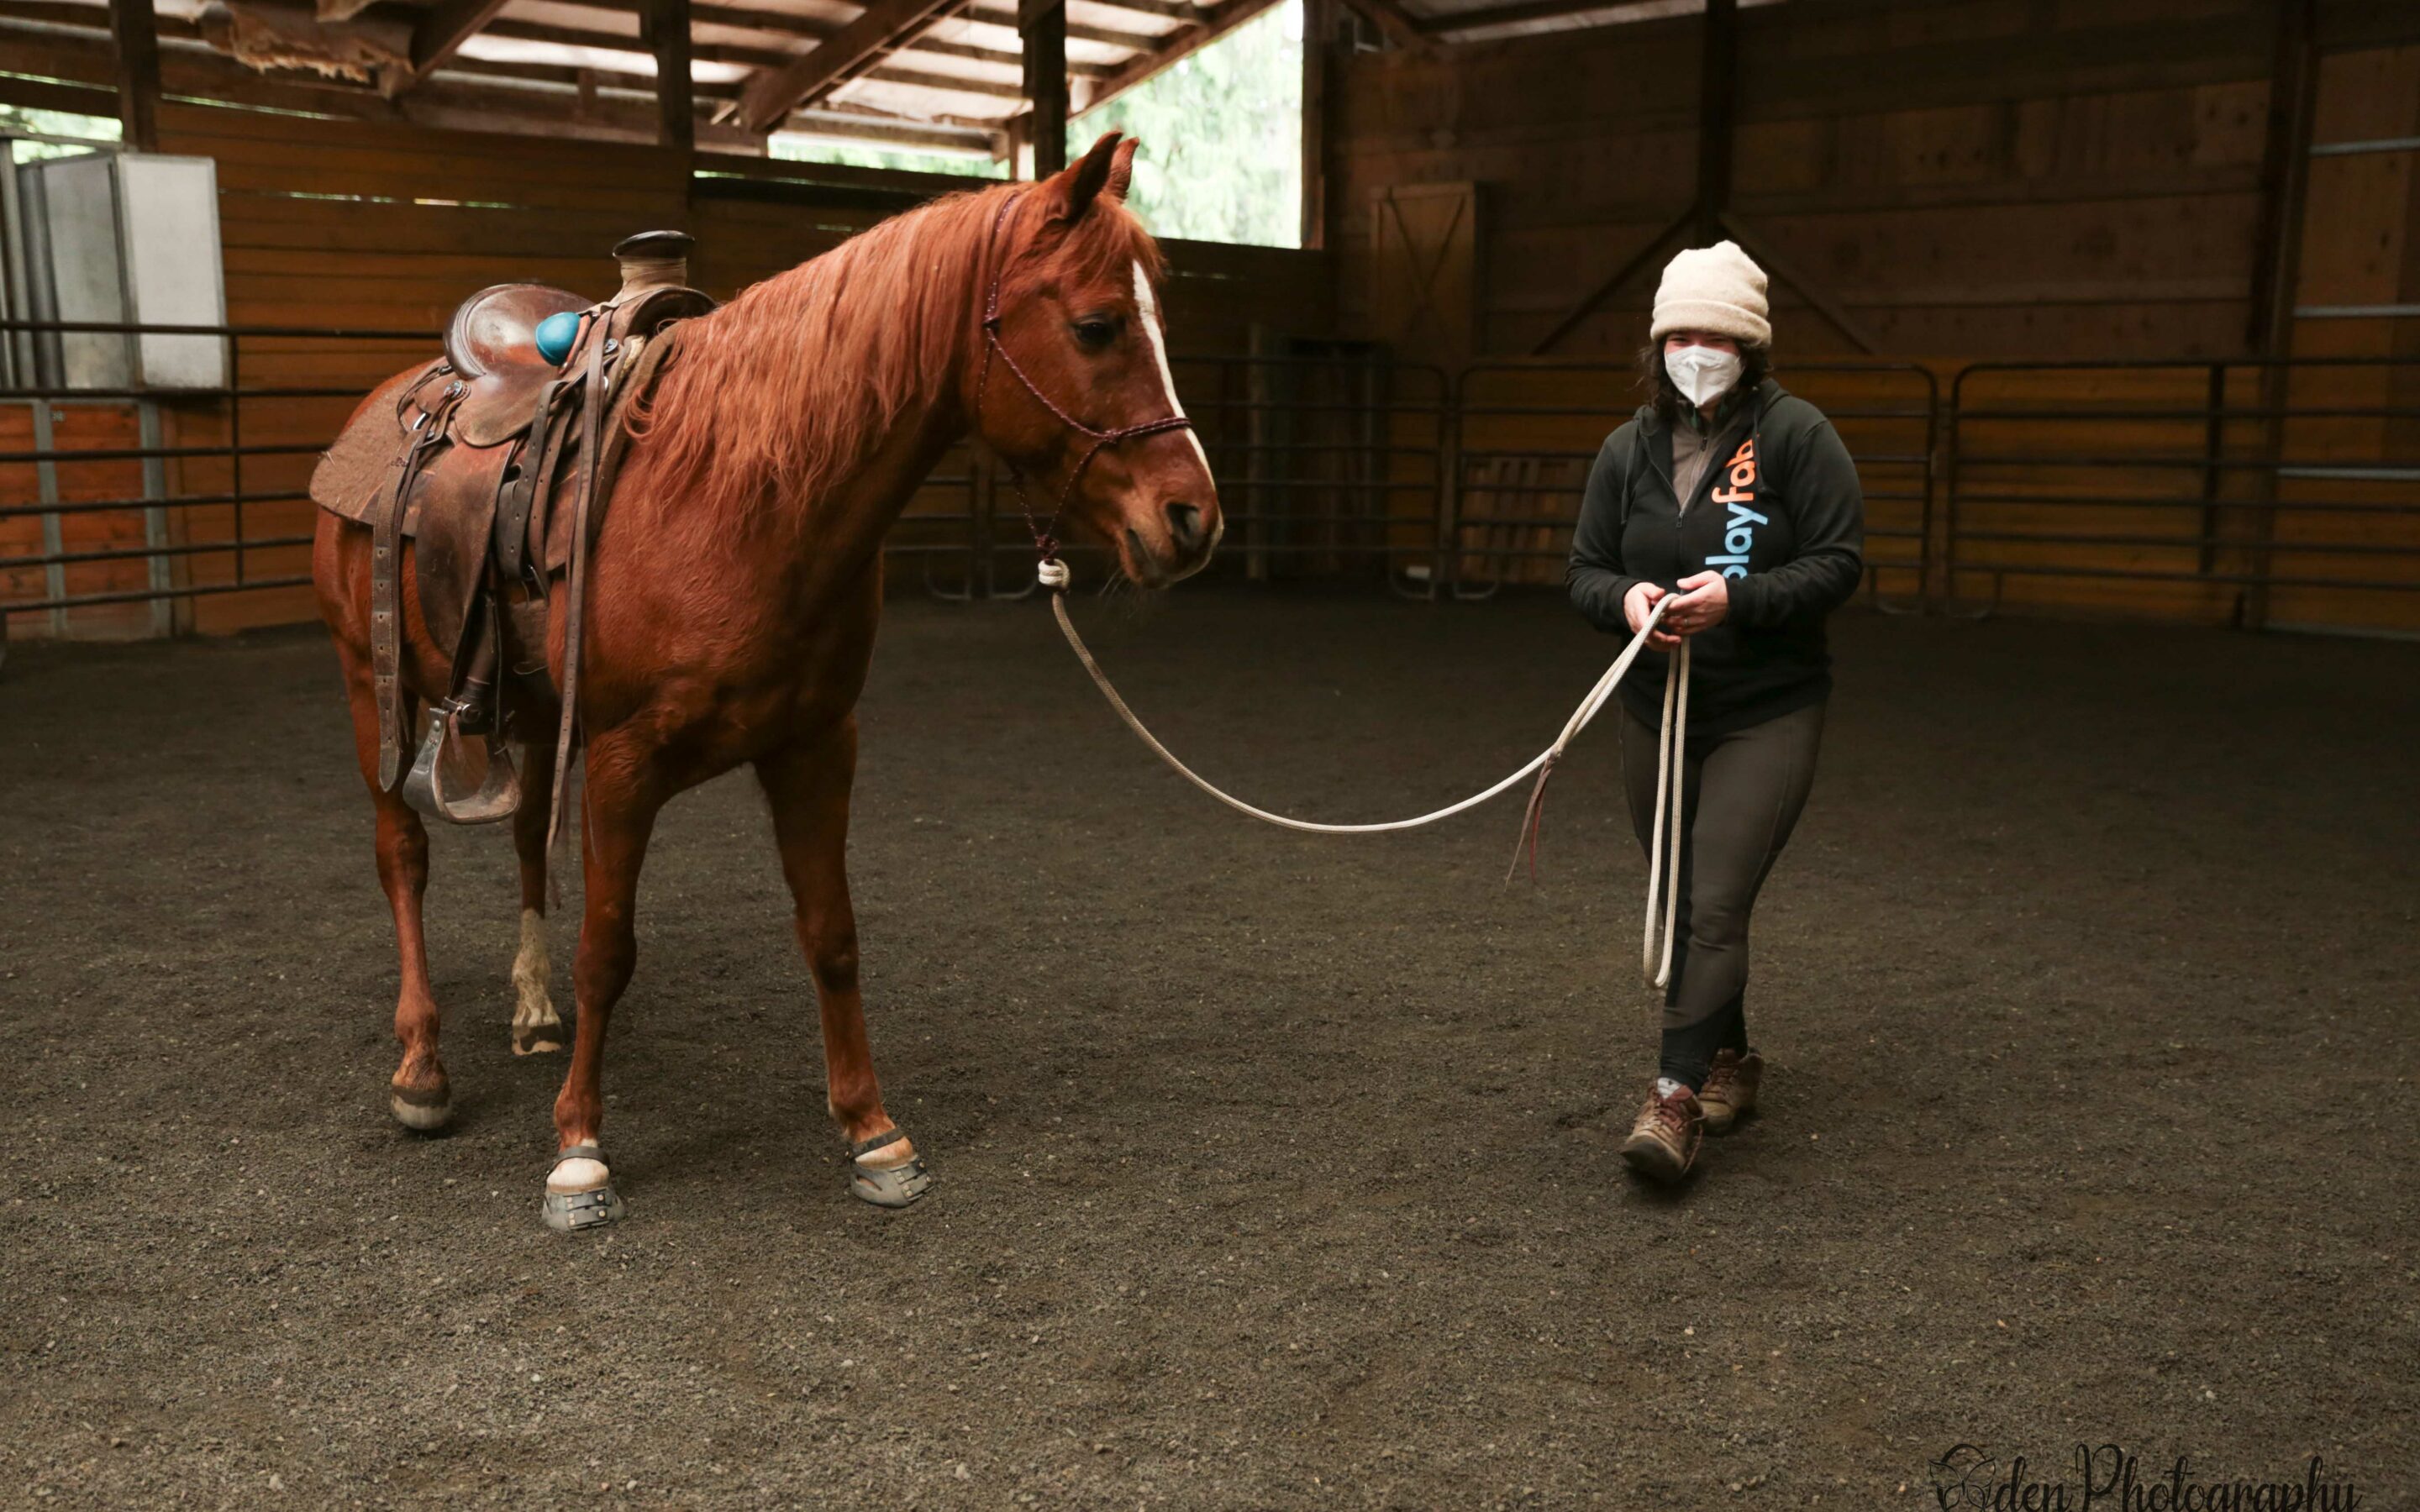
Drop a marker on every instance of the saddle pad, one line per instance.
(360, 468)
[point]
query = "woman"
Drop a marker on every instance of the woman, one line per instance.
(1739, 503)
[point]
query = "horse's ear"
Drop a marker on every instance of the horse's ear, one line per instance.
(1079, 185)
(1122, 169)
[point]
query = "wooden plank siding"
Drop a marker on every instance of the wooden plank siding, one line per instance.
(1969, 178)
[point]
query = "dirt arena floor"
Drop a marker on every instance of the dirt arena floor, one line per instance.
(1273, 1170)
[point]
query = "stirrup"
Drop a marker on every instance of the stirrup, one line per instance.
(453, 782)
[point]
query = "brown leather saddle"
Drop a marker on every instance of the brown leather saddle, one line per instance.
(495, 461)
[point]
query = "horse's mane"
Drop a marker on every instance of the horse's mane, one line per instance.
(775, 394)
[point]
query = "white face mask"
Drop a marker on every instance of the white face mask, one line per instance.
(1702, 373)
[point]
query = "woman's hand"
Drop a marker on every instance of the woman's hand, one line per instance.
(1639, 603)
(1705, 601)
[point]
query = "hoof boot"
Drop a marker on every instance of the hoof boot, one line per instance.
(887, 1186)
(568, 1212)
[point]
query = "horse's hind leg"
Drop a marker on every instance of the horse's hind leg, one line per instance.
(420, 1096)
(808, 786)
(536, 1028)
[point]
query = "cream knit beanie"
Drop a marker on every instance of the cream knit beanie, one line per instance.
(1715, 289)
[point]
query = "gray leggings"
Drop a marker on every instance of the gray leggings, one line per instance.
(1742, 796)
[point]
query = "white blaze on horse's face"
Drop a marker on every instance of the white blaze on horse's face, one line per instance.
(1147, 308)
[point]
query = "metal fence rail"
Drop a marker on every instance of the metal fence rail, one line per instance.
(2262, 492)
(2241, 490)
(189, 498)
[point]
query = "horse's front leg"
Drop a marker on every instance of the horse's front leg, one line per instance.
(622, 796)
(808, 785)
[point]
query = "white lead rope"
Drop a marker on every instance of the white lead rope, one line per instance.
(1053, 576)
(1672, 764)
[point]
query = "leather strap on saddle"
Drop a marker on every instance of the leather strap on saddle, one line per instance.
(575, 617)
(386, 590)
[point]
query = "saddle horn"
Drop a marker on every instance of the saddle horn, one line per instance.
(652, 260)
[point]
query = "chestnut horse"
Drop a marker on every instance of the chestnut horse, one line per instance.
(738, 577)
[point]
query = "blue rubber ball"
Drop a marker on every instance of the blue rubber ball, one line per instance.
(555, 334)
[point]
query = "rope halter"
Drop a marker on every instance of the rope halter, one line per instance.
(1049, 570)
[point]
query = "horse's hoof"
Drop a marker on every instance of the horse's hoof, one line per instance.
(422, 1112)
(887, 1186)
(537, 1039)
(569, 1212)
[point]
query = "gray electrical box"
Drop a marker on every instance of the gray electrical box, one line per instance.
(122, 236)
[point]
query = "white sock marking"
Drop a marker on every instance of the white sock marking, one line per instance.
(531, 969)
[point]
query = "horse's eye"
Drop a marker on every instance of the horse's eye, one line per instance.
(1095, 333)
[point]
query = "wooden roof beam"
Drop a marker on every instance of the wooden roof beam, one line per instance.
(1005, 15)
(1400, 26)
(1215, 23)
(762, 57)
(1617, 12)
(876, 32)
(1178, 10)
(787, 24)
(440, 33)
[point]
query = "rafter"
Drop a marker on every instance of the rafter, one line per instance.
(441, 31)
(1005, 15)
(782, 23)
(1390, 18)
(760, 57)
(567, 77)
(1213, 24)
(881, 29)
(1180, 11)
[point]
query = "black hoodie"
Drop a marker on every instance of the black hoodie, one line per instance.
(1779, 513)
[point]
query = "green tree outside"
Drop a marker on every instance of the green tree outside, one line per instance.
(1221, 131)
(96, 130)
(799, 148)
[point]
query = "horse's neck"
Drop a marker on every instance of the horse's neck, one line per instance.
(839, 531)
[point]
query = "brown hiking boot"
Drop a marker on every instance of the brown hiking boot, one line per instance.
(1730, 1089)
(1663, 1140)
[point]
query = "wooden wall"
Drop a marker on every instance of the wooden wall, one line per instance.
(1969, 177)
(335, 224)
